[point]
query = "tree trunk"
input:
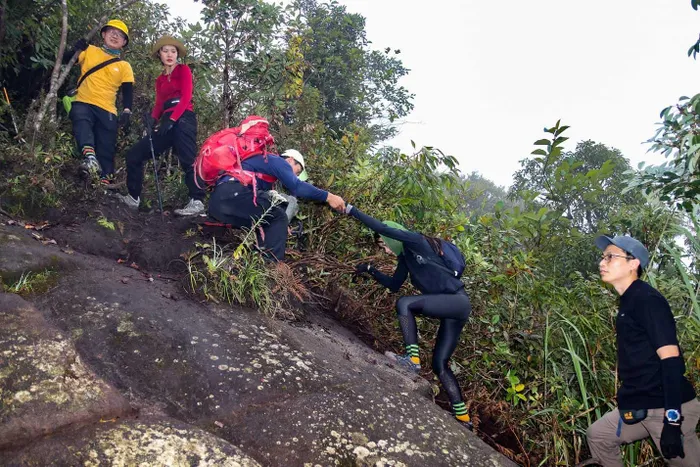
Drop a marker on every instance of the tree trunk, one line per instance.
(3, 16)
(35, 120)
(227, 85)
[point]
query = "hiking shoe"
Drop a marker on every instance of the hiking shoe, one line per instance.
(404, 361)
(129, 200)
(193, 208)
(90, 166)
(468, 425)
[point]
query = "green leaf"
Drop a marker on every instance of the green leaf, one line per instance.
(539, 152)
(541, 142)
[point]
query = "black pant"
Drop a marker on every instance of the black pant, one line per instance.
(183, 138)
(95, 127)
(453, 311)
(232, 203)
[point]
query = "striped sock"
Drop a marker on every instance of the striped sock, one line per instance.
(412, 351)
(88, 151)
(460, 410)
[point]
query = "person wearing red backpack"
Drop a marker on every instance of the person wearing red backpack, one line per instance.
(240, 202)
(435, 267)
(177, 128)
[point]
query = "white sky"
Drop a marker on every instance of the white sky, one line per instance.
(489, 76)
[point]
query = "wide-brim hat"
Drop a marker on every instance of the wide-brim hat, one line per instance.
(169, 40)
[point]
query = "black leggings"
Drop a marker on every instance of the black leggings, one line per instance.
(453, 311)
(183, 138)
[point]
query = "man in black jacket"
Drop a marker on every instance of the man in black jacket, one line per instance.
(655, 399)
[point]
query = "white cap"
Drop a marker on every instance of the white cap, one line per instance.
(296, 155)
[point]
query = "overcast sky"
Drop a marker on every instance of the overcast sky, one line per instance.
(489, 76)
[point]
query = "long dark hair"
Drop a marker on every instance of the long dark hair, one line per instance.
(435, 243)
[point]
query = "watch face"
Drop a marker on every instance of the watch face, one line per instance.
(673, 415)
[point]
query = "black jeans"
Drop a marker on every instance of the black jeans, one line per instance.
(182, 138)
(232, 203)
(453, 310)
(95, 127)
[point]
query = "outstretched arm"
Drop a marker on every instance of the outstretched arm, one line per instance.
(405, 236)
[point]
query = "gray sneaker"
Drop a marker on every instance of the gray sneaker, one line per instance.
(129, 200)
(193, 208)
(404, 361)
(90, 166)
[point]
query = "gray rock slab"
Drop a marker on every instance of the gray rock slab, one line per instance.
(147, 442)
(20, 254)
(287, 395)
(44, 384)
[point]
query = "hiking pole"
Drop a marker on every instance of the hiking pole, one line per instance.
(149, 131)
(12, 115)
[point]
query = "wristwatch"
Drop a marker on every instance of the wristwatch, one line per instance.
(673, 416)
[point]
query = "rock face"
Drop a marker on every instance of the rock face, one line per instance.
(44, 386)
(129, 371)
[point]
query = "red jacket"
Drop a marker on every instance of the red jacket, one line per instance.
(179, 85)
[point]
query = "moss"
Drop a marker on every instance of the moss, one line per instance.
(45, 372)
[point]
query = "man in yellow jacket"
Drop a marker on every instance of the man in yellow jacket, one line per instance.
(94, 112)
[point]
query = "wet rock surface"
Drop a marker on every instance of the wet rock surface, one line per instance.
(230, 381)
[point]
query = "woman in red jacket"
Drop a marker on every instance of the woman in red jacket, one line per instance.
(177, 128)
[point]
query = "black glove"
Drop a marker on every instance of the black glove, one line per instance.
(166, 125)
(81, 44)
(125, 121)
(363, 268)
(672, 441)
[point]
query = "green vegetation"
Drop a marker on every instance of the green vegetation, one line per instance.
(31, 283)
(537, 359)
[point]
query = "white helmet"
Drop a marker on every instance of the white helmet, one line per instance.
(296, 155)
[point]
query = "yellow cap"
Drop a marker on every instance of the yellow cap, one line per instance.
(117, 24)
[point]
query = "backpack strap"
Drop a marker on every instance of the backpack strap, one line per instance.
(96, 68)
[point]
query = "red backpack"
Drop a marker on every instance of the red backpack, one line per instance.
(223, 152)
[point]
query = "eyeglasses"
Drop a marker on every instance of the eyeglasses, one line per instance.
(115, 32)
(609, 256)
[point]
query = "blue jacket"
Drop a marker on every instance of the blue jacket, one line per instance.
(427, 278)
(279, 168)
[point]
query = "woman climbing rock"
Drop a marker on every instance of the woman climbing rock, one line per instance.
(435, 267)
